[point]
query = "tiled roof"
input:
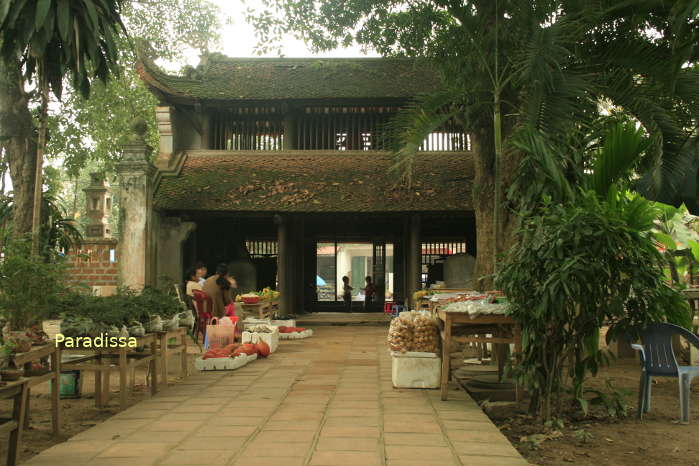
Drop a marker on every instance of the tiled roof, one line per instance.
(315, 181)
(224, 78)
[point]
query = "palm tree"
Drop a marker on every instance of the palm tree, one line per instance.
(531, 77)
(52, 38)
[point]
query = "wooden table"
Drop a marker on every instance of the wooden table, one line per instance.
(18, 392)
(166, 351)
(100, 359)
(263, 309)
(36, 354)
(503, 329)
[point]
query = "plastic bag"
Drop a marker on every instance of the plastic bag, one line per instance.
(220, 335)
(172, 324)
(186, 319)
(155, 324)
(136, 329)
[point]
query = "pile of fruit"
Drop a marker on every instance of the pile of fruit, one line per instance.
(425, 334)
(268, 294)
(283, 329)
(414, 331)
(234, 350)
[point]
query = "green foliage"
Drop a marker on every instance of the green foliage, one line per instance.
(88, 130)
(612, 399)
(30, 286)
(58, 231)
(575, 268)
(551, 63)
(84, 310)
(59, 37)
(582, 435)
(676, 231)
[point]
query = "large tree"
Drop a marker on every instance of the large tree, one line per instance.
(523, 74)
(88, 131)
(49, 40)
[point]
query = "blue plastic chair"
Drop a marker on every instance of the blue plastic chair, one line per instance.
(658, 360)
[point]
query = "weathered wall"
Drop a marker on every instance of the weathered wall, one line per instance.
(169, 234)
(92, 266)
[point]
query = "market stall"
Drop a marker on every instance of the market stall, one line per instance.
(17, 391)
(37, 373)
(475, 318)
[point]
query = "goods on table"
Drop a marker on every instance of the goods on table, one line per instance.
(269, 294)
(250, 298)
(413, 331)
(476, 308)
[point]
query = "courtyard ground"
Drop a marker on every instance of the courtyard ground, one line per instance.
(327, 400)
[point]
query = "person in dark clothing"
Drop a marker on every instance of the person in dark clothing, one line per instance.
(347, 294)
(369, 294)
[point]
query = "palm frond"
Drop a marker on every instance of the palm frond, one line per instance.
(622, 148)
(414, 123)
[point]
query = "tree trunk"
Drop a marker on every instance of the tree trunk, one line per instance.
(17, 126)
(484, 200)
(483, 203)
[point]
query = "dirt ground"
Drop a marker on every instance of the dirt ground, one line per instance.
(77, 415)
(658, 439)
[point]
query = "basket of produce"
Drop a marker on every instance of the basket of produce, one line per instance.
(250, 298)
(262, 332)
(294, 333)
(226, 358)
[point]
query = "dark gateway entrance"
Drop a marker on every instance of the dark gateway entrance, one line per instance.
(306, 254)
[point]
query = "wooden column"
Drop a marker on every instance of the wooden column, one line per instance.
(471, 239)
(299, 271)
(290, 134)
(413, 251)
(285, 285)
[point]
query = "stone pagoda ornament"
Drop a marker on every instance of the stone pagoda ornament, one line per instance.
(98, 200)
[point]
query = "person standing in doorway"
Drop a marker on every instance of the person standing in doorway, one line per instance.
(369, 293)
(347, 293)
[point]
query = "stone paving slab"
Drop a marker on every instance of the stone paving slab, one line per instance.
(325, 401)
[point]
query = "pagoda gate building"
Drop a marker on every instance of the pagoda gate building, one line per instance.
(281, 168)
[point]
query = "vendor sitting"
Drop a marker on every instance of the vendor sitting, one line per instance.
(192, 282)
(220, 287)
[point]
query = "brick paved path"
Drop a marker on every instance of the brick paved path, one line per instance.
(327, 400)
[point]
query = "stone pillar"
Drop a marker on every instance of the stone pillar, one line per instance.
(98, 207)
(164, 117)
(172, 232)
(413, 253)
(135, 211)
